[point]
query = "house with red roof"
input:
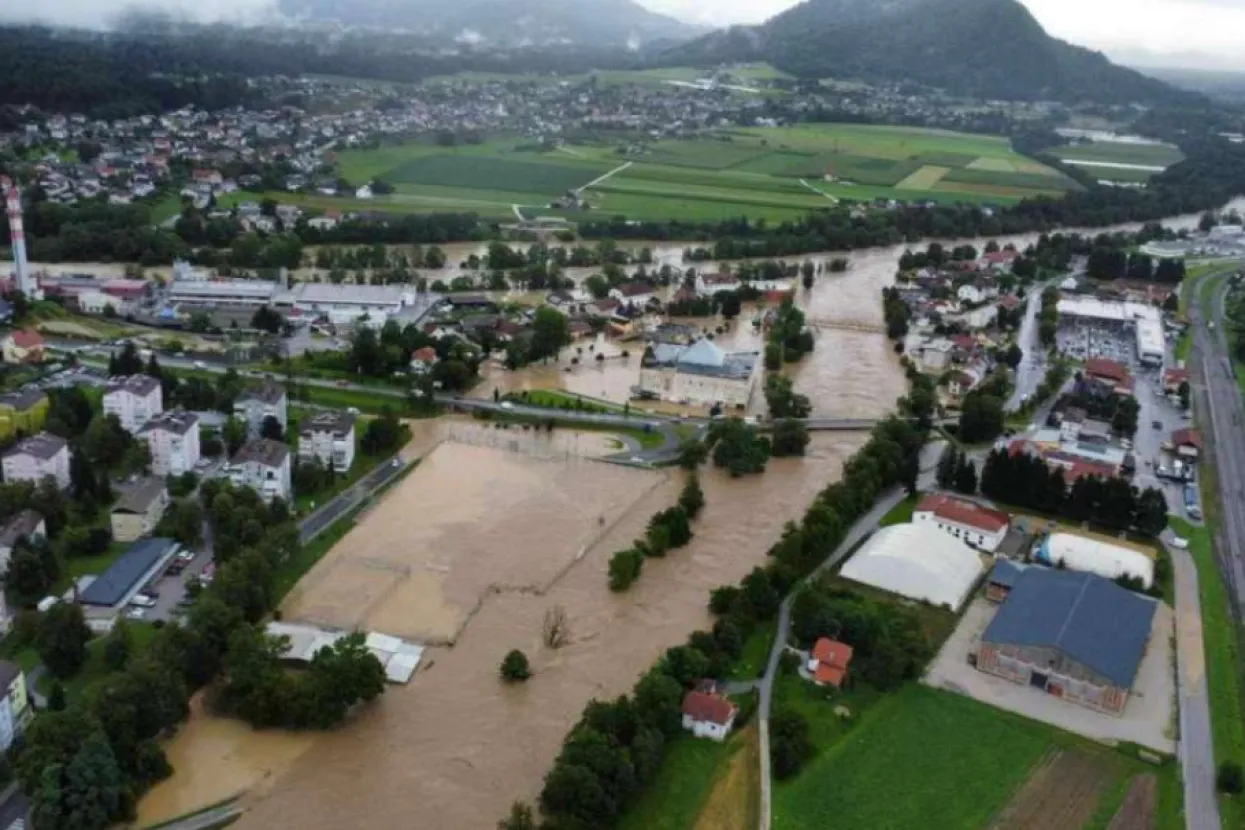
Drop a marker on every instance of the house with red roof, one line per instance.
(1009, 302)
(981, 527)
(707, 714)
(1173, 378)
(23, 346)
(998, 260)
(1187, 443)
(1110, 374)
(423, 359)
(828, 662)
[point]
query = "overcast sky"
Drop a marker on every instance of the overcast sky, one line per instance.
(1207, 34)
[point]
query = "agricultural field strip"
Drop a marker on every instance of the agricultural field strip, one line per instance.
(1120, 153)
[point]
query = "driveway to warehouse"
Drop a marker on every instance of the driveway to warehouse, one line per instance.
(1147, 719)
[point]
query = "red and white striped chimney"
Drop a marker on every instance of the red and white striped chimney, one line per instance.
(13, 205)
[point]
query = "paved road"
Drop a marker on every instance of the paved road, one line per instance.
(1033, 368)
(349, 498)
(13, 806)
(864, 526)
(1197, 751)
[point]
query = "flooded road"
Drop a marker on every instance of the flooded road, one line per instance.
(456, 746)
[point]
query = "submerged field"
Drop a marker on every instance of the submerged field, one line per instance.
(774, 173)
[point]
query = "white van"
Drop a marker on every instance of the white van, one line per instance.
(141, 601)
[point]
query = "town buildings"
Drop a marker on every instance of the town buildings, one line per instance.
(38, 457)
(700, 374)
(328, 437)
(115, 587)
(15, 709)
(134, 399)
(23, 346)
(1096, 556)
(1075, 635)
(25, 524)
(981, 527)
(174, 441)
(268, 400)
(828, 662)
(264, 466)
(139, 510)
(915, 562)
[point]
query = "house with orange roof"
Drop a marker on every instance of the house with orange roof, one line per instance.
(707, 714)
(828, 662)
(982, 527)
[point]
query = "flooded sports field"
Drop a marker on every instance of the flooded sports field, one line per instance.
(456, 746)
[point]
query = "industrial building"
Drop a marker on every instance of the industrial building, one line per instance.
(117, 586)
(701, 374)
(1082, 553)
(912, 562)
(399, 658)
(1146, 321)
(1074, 635)
(981, 527)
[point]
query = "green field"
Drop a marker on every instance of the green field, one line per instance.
(775, 173)
(932, 759)
(1112, 153)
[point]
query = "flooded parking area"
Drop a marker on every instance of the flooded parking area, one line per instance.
(468, 521)
(457, 746)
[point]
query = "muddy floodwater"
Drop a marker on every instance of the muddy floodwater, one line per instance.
(456, 746)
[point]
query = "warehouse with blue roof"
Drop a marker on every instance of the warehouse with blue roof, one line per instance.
(1074, 635)
(133, 569)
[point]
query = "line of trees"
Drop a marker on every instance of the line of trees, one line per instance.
(615, 749)
(667, 530)
(1113, 503)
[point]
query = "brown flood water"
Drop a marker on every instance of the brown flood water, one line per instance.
(456, 746)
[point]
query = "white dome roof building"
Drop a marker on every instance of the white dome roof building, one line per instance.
(918, 563)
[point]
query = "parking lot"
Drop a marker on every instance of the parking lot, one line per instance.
(1148, 718)
(167, 590)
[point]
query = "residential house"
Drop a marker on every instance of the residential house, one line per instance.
(27, 523)
(1110, 375)
(828, 662)
(1187, 443)
(23, 413)
(36, 458)
(935, 356)
(329, 438)
(998, 261)
(982, 527)
(139, 509)
(174, 441)
(1173, 379)
(268, 400)
(977, 292)
(638, 294)
(134, 399)
(707, 714)
(15, 709)
(23, 346)
(708, 285)
(264, 466)
(422, 360)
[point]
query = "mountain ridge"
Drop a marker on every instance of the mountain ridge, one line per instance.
(979, 48)
(607, 23)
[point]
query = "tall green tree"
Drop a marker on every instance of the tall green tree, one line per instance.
(551, 331)
(61, 639)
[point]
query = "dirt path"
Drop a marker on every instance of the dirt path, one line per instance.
(1062, 792)
(734, 802)
(1139, 808)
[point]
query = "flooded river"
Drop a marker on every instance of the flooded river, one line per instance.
(456, 746)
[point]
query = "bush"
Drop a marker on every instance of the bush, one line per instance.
(625, 566)
(515, 668)
(1229, 779)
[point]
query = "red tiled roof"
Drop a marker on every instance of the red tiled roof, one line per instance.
(607, 304)
(1175, 377)
(1080, 469)
(963, 512)
(27, 339)
(1009, 301)
(1100, 367)
(964, 341)
(998, 257)
(829, 675)
(635, 289)
(832, 652)
(427, 354)
(1188, 436)
(710, 708)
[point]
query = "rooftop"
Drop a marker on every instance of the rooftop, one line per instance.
(44, 446)
(177, 421)
(313, 293)
(704, 358)
(9, 671)
(23, 399)
(140, 497)
(142, 385)
(964, 512)
(111, 587)
(1090, 619)
(268, 392)
(22, 524)
(337, 422)
(707, 707)
(262, 451)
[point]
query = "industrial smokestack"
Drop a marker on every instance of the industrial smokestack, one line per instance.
(13, 203)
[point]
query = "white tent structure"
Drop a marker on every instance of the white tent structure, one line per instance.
(1081, 553)
(917, 563)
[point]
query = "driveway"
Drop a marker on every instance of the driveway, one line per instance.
(1147, 720)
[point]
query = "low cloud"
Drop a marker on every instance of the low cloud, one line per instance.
(102, 14)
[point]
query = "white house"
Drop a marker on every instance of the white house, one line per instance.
(15, 709)
(708, 715)
(173, 438)
(328, 437)
(708, 285)
(967, 521)
(37, 457)
(265, 401)
(264, 466)
(936, 355)
(638, 294)
(364, 192)
(134, 399)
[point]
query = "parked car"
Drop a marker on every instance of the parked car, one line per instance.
(140, 601)
(135, 613)
(1156, 424)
